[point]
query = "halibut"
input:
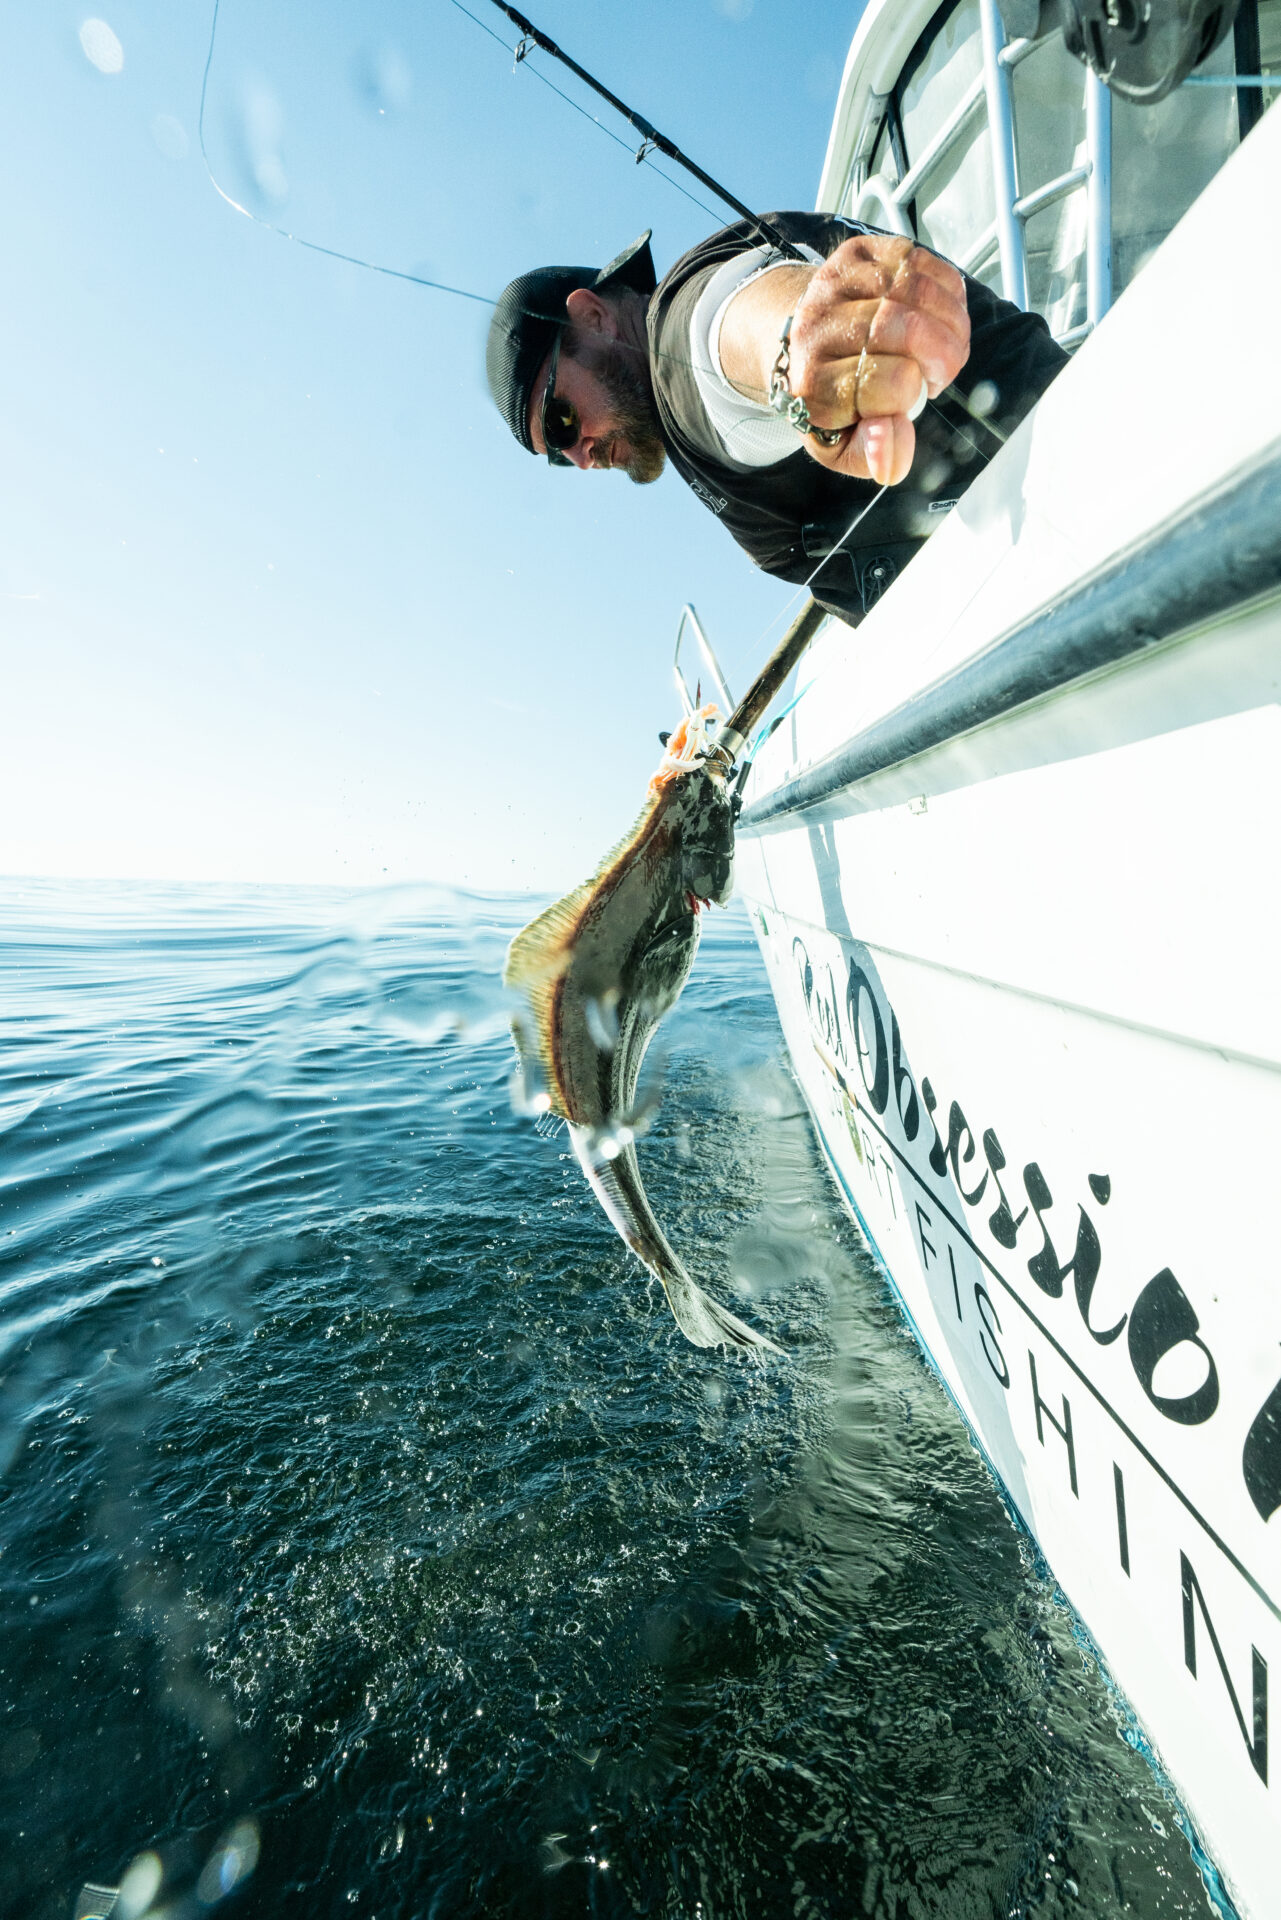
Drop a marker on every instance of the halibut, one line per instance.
(600, 968)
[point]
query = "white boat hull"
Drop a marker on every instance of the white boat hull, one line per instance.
(1027, 976)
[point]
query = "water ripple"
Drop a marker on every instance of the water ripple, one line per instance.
(369, 1538)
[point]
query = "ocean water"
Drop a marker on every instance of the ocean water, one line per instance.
(371, 1543)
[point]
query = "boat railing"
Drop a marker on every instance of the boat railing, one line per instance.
(884, 202)
(689, 621)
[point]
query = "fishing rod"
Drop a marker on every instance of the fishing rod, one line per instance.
(651, 139)
(654, 141)
(732, 737)
(798, 636)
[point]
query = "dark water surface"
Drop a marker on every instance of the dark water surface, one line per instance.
(371, 1543)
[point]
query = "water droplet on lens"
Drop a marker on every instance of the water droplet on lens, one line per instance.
(101, 47)
(170, 136)
(261, 129)
(602, 1019)
(232, 1861)
(383, 79)
(140, 1886)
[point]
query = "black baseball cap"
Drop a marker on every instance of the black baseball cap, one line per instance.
(527, 317)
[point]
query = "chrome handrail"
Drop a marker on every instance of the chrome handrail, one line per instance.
(980, 253)
(690, 618)
(943, 141)
(882, 202)
(1053, 190)
(1098, 199)
(1005, 175)
(1015, 52)
(880, 193)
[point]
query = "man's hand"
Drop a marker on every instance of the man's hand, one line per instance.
(879, 320)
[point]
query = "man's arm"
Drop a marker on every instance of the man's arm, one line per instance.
(877, 319)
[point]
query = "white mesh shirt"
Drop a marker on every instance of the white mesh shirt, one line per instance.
(749, 431)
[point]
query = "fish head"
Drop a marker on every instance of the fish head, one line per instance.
(707, 840)
(695, 793)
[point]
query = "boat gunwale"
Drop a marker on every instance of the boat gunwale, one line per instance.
(1218, 555)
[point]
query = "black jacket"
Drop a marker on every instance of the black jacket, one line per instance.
(790, 515)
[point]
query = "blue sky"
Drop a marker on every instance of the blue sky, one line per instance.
(279, 597)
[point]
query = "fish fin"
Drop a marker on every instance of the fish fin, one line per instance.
(703, 1321)
(541, 951)
(536, 960)
(617, 1185)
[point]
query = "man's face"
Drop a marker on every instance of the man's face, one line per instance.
(609, 388)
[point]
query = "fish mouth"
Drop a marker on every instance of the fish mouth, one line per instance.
(708, 878)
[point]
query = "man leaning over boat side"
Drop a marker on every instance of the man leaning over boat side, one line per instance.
(610, 369)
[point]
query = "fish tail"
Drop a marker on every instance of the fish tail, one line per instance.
(617, 1185)
(703, 1321)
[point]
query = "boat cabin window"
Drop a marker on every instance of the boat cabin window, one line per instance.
(954, 211)
(1048, 90)
(1161, 157)
(883, 155)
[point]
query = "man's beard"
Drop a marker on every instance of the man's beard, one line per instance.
(625, 378)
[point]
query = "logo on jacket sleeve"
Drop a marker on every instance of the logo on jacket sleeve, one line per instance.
(715, 501)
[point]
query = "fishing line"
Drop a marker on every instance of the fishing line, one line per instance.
(462, 293)
(374, 266)
(862, 514)
(313, 246)
(417, 279)
(651, 136)
(858, 520)
(396, 273)
(805, 585)
(520, 54)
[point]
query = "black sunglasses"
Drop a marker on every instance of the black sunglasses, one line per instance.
(558, 418)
